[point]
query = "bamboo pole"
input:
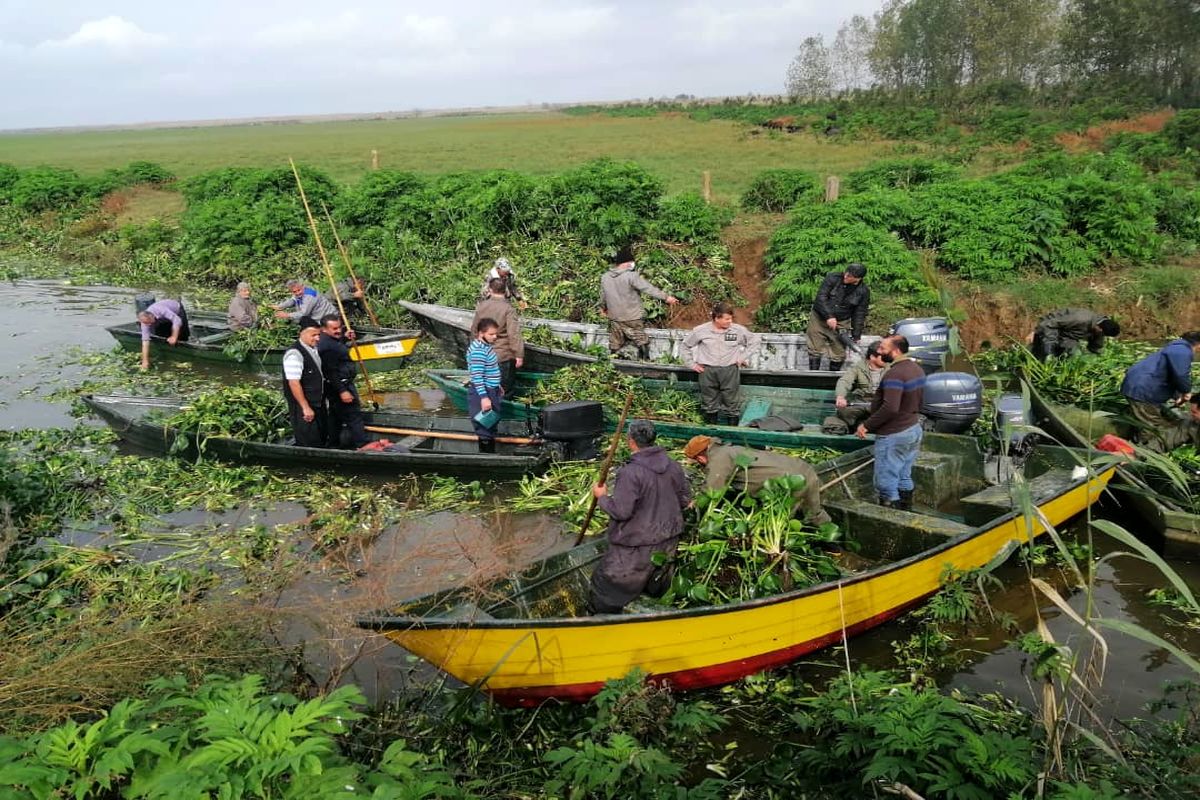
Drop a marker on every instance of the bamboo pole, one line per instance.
(312, 224)
(346, 258)
(604, 468)
(458, 437)
(841, 478)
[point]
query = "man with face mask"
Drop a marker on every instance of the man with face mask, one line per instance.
(896, 422)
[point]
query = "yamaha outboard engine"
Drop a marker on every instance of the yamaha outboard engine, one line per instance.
(143, 301)
(952, 401)
(573, 427)
(928, 340)
(1010, 417)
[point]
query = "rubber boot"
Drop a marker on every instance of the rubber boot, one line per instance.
(814, 363)
(643, 352)
(487, 445)
(836, 366)
(883, 501)
(711, 417)
(905, 502)
(728, 419)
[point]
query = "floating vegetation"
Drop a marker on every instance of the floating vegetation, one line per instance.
(746, 546)
(602, 382)
(269, 334)
(544, 336)
(251, 413)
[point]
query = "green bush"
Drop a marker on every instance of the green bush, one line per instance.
(8, 177)
(901, 173)
(373, 200)
(688, 218)
(780, 189)
(46, 188)
(606, 203)
(1183, 130)
(149, 236)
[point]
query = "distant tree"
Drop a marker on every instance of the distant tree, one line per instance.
(1011, 41)
(810, 76)
(851, 67)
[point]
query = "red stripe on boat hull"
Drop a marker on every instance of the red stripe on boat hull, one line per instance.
(701, 677)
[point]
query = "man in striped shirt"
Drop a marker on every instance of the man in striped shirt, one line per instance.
(896, 422)
(484, 392)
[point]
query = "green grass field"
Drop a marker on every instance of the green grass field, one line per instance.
(675, 148)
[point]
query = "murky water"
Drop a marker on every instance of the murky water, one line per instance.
(52, 324)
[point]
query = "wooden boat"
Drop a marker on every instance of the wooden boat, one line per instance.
(781, 361)
(134, 420)
(381, 348)
(808, 406)
(522, 637)
(1178, 528)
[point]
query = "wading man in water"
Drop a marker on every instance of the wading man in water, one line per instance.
(645, 512)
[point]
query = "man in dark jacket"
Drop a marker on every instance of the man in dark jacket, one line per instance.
(345, 408)
(840, 309)
(896, 422)
(1060, 332)
(1156, 379)
(304, 387)
(645, 514)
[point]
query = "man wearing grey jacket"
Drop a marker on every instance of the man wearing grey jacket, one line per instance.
(621, 290)
(717, 350)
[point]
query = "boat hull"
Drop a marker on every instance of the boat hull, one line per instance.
(459, 462)
(783, 360)
(808, 405)
(525, 661)
(381, 349)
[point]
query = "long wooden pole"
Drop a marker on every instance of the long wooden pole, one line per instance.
(346, 258)
(604, 468)
(312, 224)
(461, 437)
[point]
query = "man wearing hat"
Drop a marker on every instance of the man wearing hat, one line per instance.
(839, 311)
(1060, 332)
(721, 470)
(503, 270)
(621, 290)
(645, 512)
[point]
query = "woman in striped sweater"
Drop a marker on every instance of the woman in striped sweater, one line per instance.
(483, 393)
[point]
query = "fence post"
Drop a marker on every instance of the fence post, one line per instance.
(706, 189)
(832, 183)
(374, 159)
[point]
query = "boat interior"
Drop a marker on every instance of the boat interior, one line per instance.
(958, 492)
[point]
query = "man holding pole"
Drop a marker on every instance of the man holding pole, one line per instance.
(345, 408)
(304, 387)
(645, 513)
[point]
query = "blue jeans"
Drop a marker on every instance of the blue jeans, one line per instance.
(475, 404)
(895, 455)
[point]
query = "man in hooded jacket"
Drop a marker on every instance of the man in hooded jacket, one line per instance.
(645, 513)
(621, 290)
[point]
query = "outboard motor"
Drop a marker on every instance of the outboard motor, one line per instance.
(143, 301)
(573, 427)
(1010, 416)
(952, 401)
(928, 340)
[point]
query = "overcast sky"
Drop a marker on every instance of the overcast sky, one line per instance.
(111, 61)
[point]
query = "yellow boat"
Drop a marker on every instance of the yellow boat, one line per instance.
(521, 640)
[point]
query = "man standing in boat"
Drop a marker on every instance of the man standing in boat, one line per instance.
(1159, 378)
(509, 346)
(304, 387)
(164, 318)
(839, 311)
(352, 293)
(1060, 332)
(310, 306)
(721, 469)
(896, 422)
(504, 271)
(645, 513)
(621, 290)
(717, 350)
(339, 371)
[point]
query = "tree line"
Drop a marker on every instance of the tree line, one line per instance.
(961, 51)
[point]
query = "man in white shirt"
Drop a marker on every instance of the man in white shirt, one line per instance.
(304, 387)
